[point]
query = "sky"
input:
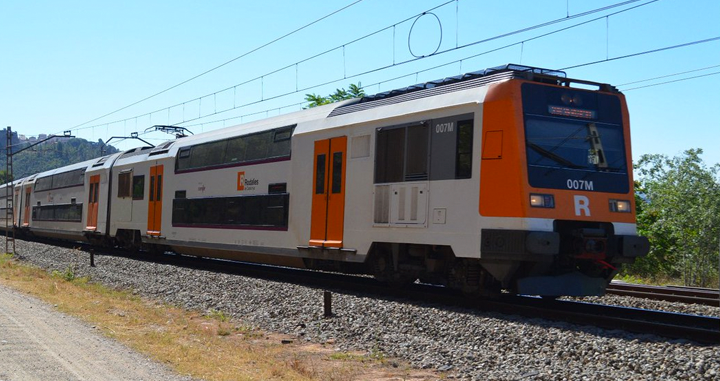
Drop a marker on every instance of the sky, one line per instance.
(65, 65)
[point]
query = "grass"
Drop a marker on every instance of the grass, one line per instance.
(210, 345)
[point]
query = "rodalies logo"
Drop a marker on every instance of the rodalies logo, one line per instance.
(245, 183)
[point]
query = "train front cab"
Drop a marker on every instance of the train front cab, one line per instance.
(574, 196)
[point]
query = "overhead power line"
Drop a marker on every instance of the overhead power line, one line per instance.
(673, 81)
(221, 65)
(297, 90)
(669, 75)
(456, 61)
(643, 53)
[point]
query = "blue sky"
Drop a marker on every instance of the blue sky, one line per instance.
(66, 63)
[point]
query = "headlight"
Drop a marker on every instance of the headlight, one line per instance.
(620, 206)
(542, 200)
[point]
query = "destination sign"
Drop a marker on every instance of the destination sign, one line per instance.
(573, 112)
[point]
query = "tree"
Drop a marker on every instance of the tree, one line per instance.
(678, 207)
(4, 178)
(354, 91)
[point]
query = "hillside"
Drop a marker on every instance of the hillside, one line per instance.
(51, 154)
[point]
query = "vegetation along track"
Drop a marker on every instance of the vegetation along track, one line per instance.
(704, 296)
(702, 329)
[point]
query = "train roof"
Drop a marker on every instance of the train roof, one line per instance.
(289, 119)
(409, 93)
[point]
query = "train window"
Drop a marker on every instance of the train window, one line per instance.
(123, 184)
(208, 154)
(283, 134)
(320, 174)
(463, 162)
(180, 194)
(416, 161)
(269, 211)
(152, 188)
(279, 148)
(257, 146)
(281, 142)
(138, 187)
(61, 180)
(451, 148)
(390, 155)
(183, 161)
(43, 183)
(236, 150)
(337, 172)
(62, 212)
(159, 188)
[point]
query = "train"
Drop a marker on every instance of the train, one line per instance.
(513, 179)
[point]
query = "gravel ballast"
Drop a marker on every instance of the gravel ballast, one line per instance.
(463, 343)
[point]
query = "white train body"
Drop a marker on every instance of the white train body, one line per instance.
(432, 183)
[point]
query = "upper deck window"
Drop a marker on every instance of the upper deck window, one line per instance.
(246, 149)
(61, 180)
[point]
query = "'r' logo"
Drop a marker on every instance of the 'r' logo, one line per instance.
(582, 206)
(241, 181)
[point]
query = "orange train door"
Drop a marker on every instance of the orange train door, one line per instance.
(328, 200)
(155, 200)
(26, 217)
(92, 215)
(16, 207)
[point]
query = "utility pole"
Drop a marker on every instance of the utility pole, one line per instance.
(9, 211)
(9, 189)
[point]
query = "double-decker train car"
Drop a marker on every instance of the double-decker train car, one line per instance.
(513, 178)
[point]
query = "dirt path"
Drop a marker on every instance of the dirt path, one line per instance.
(39, 343)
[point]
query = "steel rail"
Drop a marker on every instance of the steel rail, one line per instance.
(704, 296)
(702, 329)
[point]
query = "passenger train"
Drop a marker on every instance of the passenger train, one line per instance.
(512, 178)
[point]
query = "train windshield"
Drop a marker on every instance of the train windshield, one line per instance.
(574, 139)
(563, 144)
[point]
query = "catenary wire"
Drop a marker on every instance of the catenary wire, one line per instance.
(411, 74)
(376, 69)
(669, 75)
(643, 53)
(673, 81)
(453, 62)
(223, 64)
(78, 128)
(408, 61)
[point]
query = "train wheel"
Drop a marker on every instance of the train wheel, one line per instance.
(383, 269)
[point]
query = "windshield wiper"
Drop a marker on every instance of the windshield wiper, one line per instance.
(553, 156)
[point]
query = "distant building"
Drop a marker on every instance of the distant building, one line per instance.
(42, 136)
(22, 138)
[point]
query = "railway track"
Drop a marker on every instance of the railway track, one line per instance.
(704, 296)
(701, 329)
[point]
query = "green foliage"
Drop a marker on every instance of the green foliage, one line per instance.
(68, 274)
(217, 315)
(353, 91)
(678, 209)
(4, 178)
(52, 154)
